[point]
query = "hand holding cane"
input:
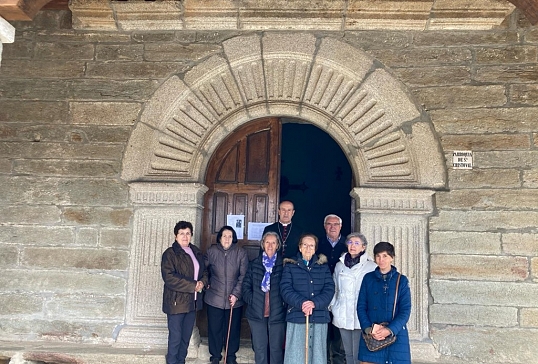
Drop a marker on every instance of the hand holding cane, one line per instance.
(306, 342)
(229, 327)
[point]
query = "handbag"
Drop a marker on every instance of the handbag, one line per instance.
(375, 345)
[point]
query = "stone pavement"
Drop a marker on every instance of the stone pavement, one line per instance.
(68, 353)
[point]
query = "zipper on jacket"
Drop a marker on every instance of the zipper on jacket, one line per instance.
(226, 278)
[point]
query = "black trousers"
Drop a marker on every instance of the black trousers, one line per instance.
(217, 330)
(179, 334)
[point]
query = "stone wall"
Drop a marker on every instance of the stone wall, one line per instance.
(70, 99)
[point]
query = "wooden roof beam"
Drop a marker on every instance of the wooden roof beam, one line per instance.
(20, 9)
(529, 9)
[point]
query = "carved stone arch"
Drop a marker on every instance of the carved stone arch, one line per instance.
(390, 143)
(324, 81)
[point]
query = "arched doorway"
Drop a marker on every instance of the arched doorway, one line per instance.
(395, 157)
(245, 174)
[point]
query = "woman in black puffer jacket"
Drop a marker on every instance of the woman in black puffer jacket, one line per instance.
(266, 311)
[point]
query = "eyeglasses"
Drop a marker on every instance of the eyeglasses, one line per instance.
(308, 246)
(356, 243)
(332, 224)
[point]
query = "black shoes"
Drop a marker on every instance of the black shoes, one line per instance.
(215, 361)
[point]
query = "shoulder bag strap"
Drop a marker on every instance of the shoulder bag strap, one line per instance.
(396, 295)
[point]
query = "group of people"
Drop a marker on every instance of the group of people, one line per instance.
(308, 300)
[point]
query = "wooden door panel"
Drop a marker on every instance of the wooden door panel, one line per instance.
(258, 161)
(243, 179)
(261, 207)
(229, 169)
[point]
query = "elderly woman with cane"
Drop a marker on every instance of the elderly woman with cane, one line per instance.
(308, 288)
(266, 312)
(227, 264)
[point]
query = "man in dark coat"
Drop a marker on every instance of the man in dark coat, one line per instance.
(288, 232)
(333, 245)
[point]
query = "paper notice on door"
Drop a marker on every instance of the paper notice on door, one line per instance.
(255, 230)
(238, 223)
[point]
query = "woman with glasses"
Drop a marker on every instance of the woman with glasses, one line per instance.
(308, 288)
(348, 275)
(185, 276)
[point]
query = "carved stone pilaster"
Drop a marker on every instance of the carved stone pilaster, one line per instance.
(158, 207)
(400, 216)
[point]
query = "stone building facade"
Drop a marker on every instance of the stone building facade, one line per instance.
(109, 116)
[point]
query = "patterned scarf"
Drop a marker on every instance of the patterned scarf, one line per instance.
(350, 262)
(268, 263)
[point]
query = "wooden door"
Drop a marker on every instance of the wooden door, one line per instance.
(243, 179)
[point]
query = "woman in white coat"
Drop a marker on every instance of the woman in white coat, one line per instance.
(348, 275)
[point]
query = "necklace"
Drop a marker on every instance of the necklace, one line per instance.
(280, 233)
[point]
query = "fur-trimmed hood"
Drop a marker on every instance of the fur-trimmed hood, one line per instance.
(321, 259)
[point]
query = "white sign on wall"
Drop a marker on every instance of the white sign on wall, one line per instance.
(462, 159)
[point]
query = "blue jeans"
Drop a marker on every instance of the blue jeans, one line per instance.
(179, 335)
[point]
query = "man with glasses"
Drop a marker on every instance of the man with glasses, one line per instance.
(333, 245)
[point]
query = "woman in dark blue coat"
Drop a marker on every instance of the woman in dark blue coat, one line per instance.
(266, 311)
(307, 287)
(375, 305)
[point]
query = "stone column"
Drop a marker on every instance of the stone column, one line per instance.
(7, 34)
(158, 207)
(400, 216)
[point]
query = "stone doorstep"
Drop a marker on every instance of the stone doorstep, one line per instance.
(70, 353)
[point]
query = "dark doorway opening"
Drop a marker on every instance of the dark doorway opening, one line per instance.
(316, 176)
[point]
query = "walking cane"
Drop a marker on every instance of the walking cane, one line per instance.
(228, 336)
(306, 343)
